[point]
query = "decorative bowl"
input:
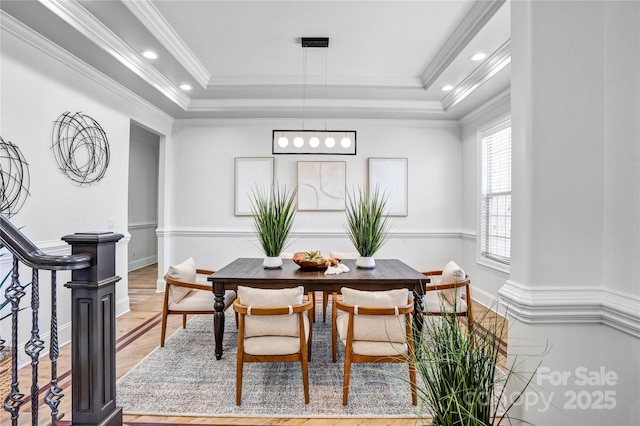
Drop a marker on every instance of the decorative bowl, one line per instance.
(299, 259)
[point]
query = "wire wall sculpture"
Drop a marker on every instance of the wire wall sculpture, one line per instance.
(80, 147)
(14, 178)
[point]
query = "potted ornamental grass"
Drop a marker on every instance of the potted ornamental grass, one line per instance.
(464, 379)
(367, 224)
(273, 214)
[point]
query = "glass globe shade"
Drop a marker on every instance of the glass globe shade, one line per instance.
(314, 142)
(330, 142)
(345, 142)
(298, 141)
(283, 142)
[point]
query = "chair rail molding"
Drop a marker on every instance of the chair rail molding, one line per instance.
(302, 233)
(142, 225)
(563, 305)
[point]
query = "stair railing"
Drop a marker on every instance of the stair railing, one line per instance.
(92, 266)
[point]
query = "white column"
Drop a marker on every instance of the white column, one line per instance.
(576, 193)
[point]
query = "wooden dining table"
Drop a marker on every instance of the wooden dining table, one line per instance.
(388, 274)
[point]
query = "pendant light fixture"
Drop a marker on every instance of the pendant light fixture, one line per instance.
(313, 141)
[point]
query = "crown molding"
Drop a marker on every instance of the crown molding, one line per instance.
(565, 305)
(333, 123)
(317, 80)
(29, 36)
(84, 22)
(501, 97)
(490, 67)
(158, 26)
(315, 105)
(471, 24)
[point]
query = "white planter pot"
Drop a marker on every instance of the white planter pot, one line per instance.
(365, 262)
(272, 262)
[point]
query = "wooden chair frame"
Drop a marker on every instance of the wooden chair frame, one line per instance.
(466, 283)
(304, 356)
(351, 357)
(194, 286)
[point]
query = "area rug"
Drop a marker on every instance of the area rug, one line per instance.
(184, 379)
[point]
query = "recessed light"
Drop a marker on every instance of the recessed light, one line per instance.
(478, 56)
(149, 54)
(447, 88)
(185, 87)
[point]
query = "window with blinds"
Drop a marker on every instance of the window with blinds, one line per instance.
(495, 220)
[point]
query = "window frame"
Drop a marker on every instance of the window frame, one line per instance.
(488, 129)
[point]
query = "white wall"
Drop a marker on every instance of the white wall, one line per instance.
(485, 280)
(36, 88)
(574, 279)
(144, 149)
(203, 224)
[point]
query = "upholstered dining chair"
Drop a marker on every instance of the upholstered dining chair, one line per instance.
(340, 255)
(185, 294)
(273, 326)
(375, 327)
(289, 256)
(448, 292)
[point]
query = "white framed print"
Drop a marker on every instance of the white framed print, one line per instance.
(321, 185)
(251, 173)
(390, 176)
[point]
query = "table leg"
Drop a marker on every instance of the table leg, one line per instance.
(218, 317)
(418, 319)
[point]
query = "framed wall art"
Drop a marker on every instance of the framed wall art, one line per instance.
(251, 173)
(390, 175)
(321, 185)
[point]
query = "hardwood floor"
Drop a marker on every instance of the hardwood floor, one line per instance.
(137, 334)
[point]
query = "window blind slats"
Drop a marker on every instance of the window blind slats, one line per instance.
(496, 194)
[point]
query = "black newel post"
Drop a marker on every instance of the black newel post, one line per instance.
(93, 319)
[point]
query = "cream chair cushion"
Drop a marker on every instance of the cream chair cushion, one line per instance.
(200, 300)
(185, 272)
(434, 302)
(264, 325)
(451, 274)
(375, 328)
(368, 347)
(275, 345)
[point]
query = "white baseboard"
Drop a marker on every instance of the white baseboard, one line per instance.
(160, 285)
(488, 300)
(141, 263)
(122, 306)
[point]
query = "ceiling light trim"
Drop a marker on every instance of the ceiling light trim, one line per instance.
(316, 105)
(79, 18)
(12, 26)
(160, 28)
(485, 71)
(471, 24)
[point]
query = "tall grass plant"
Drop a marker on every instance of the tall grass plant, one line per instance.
(367, 225)
(273, 215)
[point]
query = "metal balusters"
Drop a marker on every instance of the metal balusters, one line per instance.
(93, 266)
(35, 345)
(54, 394)
(14, 294)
